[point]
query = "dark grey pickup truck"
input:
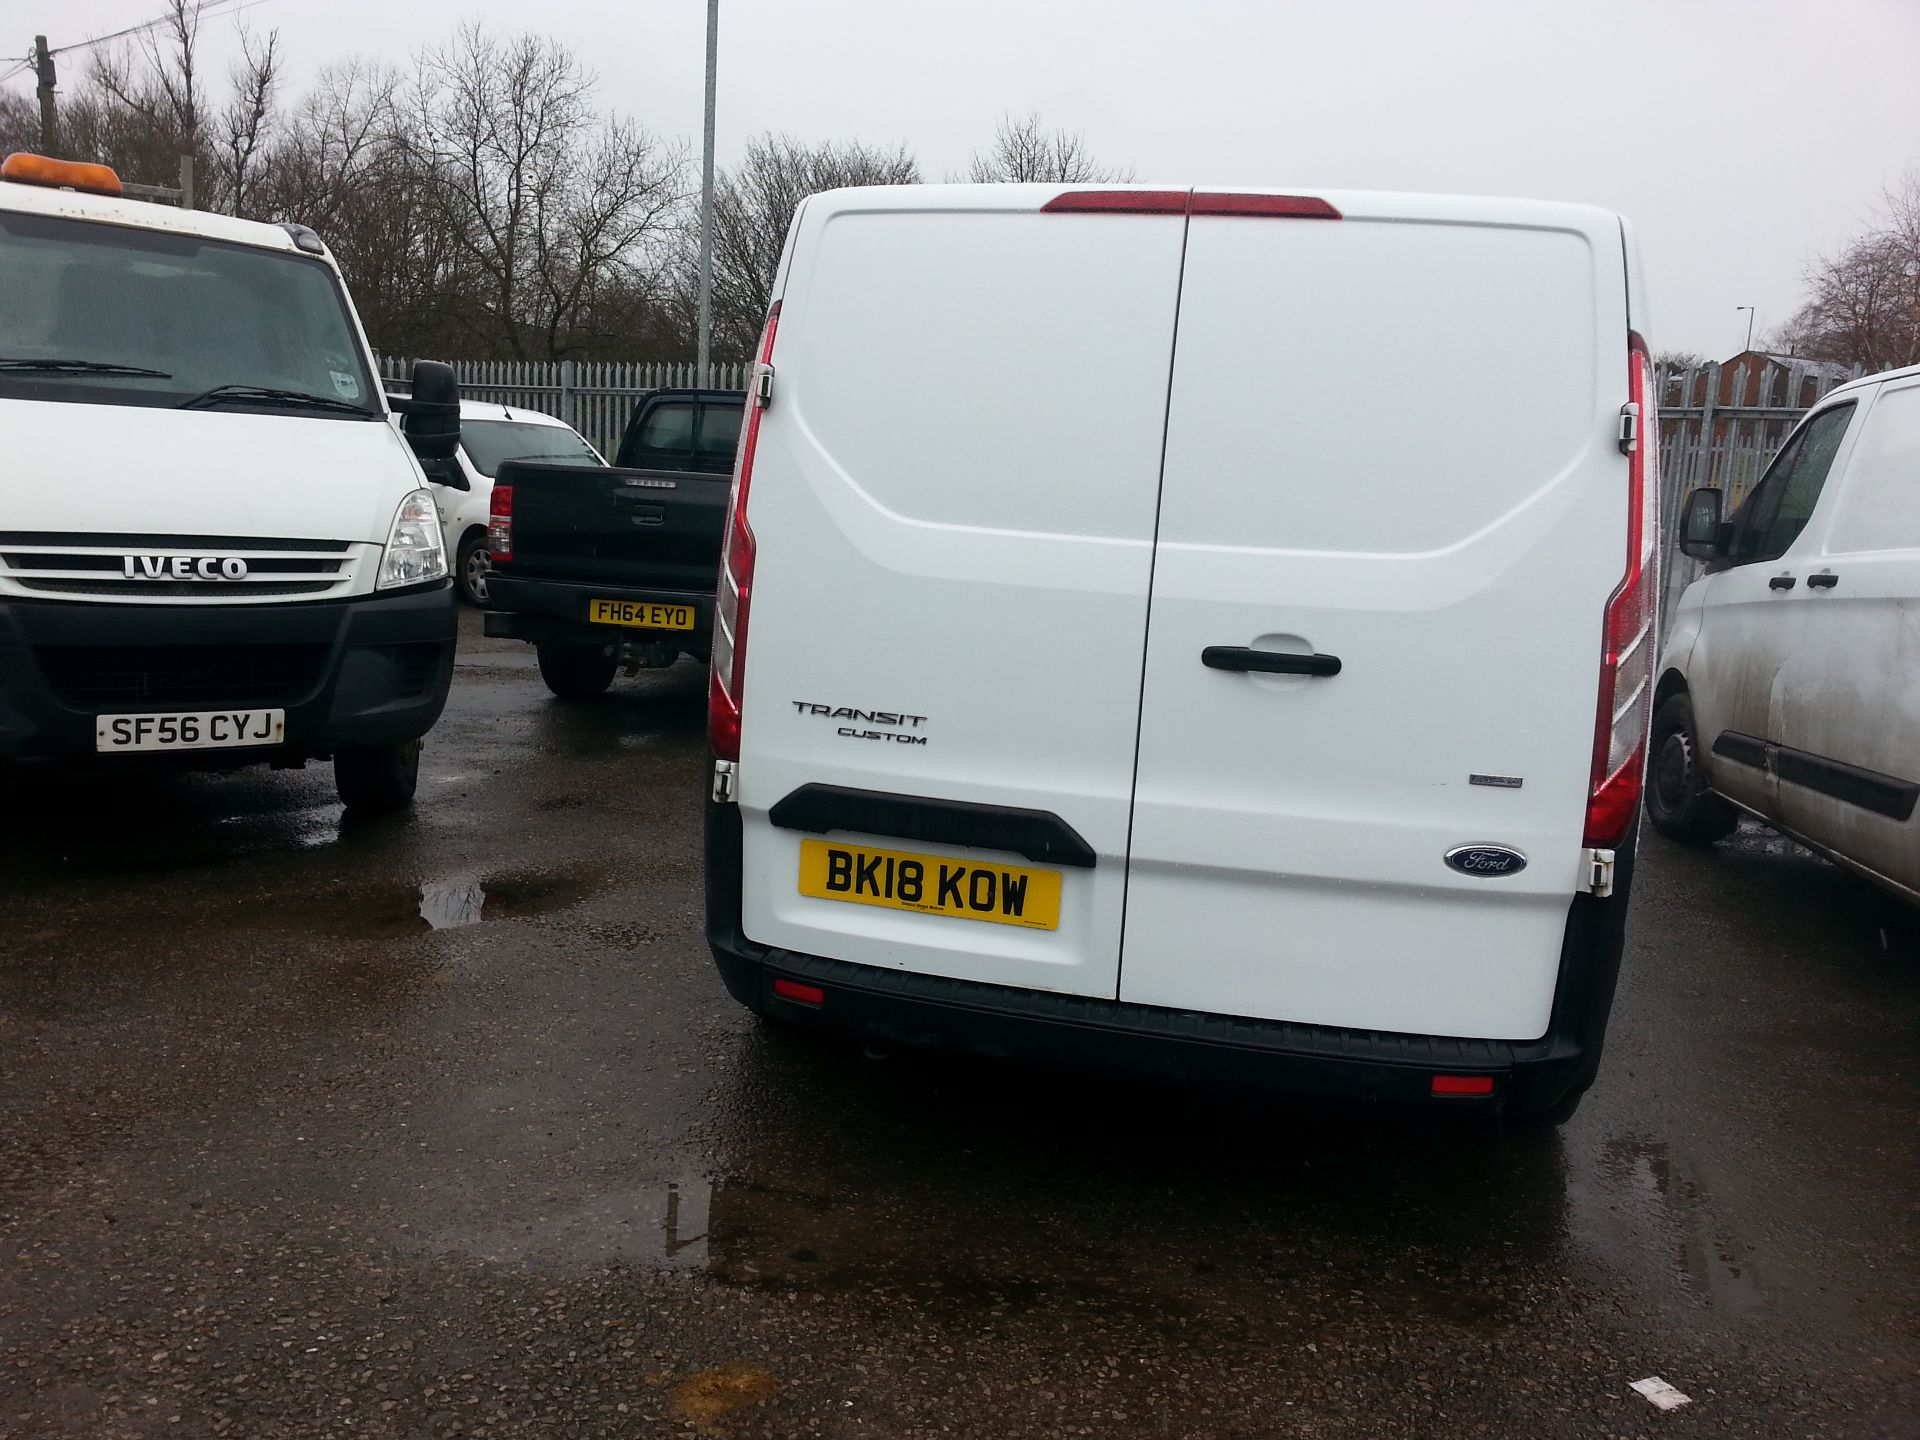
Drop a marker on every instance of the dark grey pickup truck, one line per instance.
(611, 569)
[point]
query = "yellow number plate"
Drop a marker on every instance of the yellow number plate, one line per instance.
(640, 614)
(931, 884)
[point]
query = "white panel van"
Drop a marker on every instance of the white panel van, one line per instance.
(1787, 689)
(1195, 631)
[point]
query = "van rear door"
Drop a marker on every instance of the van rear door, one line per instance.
(953, 501)
(1393, 440)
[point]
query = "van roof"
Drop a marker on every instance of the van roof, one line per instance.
(144, 215)
(1352, 204)
(1903, 373)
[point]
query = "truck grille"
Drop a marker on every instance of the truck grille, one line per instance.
(225, 568)
(187, 677)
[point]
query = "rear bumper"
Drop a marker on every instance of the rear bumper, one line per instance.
(379, 673)
(1308, 1061)
(549, 612)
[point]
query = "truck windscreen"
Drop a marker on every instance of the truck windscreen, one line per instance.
(109, 314)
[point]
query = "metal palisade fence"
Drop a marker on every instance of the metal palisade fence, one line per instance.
(1719, 424)
(593, 396)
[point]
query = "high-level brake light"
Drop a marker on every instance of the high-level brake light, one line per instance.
(1189, 202)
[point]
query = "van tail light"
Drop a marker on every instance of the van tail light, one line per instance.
(1626, 671)
(500, 525)
(733, 603)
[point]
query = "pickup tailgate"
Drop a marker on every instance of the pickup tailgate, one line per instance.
(652, 529)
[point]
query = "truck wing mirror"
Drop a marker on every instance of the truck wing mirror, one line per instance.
(430, 414)
(1701, 534)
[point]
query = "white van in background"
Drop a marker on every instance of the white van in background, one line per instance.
(215, 550)
(1204, 632)
(491, 435)
(1787, 689)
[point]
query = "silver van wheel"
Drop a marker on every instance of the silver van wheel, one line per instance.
(474, 564)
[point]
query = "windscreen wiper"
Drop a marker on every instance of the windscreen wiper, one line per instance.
(82, 367)
(265, 395)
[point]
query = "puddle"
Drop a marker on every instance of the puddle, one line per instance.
(450, 904)
(396, 909)
(663, 1226)
(1672, 1204)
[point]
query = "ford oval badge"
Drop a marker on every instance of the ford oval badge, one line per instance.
(1489, 862)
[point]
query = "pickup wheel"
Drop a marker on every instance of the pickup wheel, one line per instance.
(1679, 803)
(378, 780)
(470, 568)
(577, 672)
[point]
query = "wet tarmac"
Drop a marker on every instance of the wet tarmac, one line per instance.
(443, 1125)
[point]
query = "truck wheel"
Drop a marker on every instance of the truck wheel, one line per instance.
(470, 573)
(576, 672)
(1679, 803)
(378, 780)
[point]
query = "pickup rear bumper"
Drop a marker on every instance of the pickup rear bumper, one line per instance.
(555, 612)
(1319, 1062)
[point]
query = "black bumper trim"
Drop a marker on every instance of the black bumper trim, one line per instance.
(546, 612)
(1036, 834)
(902, 1008)
(384, 681)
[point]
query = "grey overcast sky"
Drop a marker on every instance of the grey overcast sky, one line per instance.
(1741, 136)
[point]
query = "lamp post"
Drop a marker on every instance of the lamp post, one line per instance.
(705, 342)
(1749, 309)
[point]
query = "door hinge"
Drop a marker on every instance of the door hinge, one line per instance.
(763, 387)
(725, 782)
(1596, 869)
(1629, 427)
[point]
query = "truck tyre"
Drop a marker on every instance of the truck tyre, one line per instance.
(1679, 803)
(470, 569)
(377, 780)
(576, 672)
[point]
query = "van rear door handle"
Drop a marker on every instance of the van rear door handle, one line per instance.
(1825, 580)
(1267, 662)
(1780, 582)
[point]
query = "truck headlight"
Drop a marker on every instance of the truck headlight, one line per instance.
(415, 551)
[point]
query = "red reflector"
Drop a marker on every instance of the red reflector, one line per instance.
(794, 990)
(1118, 202)
(1463, 1084)
(1297, 207)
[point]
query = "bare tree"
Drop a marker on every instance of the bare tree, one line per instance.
(19, 123)
(143, 105)
(552, 206)
(344, 162)
(754, 203)
(1863, 305)
(1024, 149)
(246, 120)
